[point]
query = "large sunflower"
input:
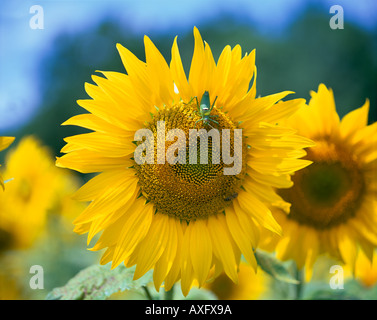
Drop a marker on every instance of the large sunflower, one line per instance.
(333, 200)
(182, 220)
(5, 142)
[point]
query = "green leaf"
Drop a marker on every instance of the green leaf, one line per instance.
(98, 283)
(333, 295)
(274, 267)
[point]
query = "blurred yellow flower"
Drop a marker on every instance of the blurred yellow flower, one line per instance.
(181, 220)
(251, 285)
(37, 189)
(333, 200)
(366, 270)
(9, 289)
(5, 142)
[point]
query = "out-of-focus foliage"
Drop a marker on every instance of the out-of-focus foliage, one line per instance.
(61, 254)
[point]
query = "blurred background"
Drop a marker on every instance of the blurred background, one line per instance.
(43, 71)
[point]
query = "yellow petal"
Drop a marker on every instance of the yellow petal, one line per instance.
(260, 105)
(137, 71)
(178, 73)
(104, 110)
(113, 198)
(200, 249)
(265, 193)
(222, 70)
(277, 166)
(241, 239)
(133, 232)
(90, 121)
(283, 181)
(132, 100)
(355, 120)
(347, 246)
(5, 142)
(167, 259)
(324, 116)
(124, 104)
(197, 65)
(187, 271)
(111, 146)
(159, 73)
(173, 275)
(312, 244)
(86, 161)
(153, 245)
(259, 211)
(222, 245)
(281, 111)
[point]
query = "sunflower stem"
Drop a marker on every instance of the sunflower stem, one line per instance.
(300, 285)
(169, 294)
(147, 293)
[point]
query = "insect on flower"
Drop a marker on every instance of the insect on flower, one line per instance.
(204, 109)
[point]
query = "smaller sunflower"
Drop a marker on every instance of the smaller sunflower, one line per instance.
(38, 188)
(251, 285)
(334, 200)
(9, 289)
(5, 142)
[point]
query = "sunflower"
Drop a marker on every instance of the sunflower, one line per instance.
(251, 285)
(9, 289)
(5, 142)
(333, 201)
(38, 188)
(366, 270)
(184, 220)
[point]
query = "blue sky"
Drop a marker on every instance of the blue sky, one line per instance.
(20, 46)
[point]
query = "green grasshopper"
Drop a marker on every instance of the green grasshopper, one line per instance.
(204, 109)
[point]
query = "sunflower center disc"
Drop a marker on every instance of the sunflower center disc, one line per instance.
(328, 192)
(190, 191)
